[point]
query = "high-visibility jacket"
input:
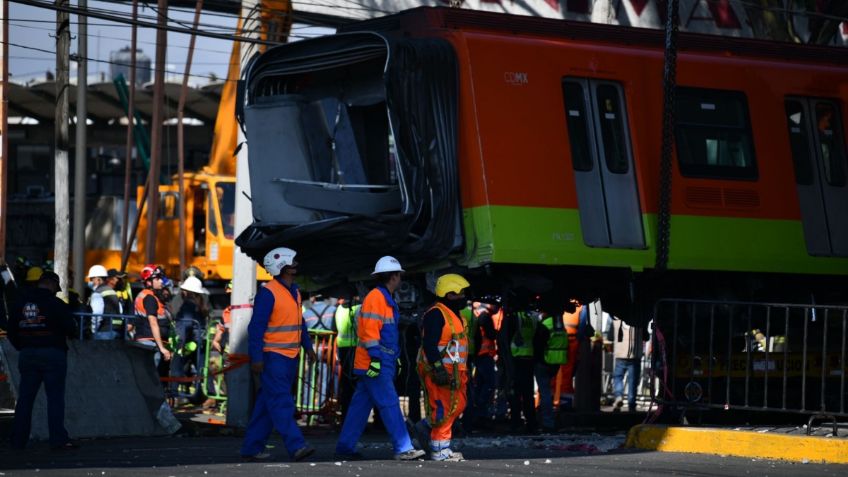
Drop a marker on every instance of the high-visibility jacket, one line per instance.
(143, 331)
(377, 331)
(346, 326)
(556, 349)
(453, 343)
(470, 325)
(522, 342)
(285, 324)
(487, 343)
(572, 320)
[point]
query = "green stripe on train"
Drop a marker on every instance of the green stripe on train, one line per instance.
(535, 235)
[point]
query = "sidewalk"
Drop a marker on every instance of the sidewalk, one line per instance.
(789, 444)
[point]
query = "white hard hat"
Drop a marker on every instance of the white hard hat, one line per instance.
(277, 259)
(97, 271)
(193, 284)
(387, 264)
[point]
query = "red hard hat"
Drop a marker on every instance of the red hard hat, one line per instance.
(151, 271)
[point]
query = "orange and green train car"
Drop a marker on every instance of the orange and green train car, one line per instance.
(529, 150)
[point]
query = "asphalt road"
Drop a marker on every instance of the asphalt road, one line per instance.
(591, 455)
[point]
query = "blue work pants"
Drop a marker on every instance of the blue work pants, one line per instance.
(544, 374)
(46, 365)
(274, 407)
(631, 367)
(485, 380)
(376, 392)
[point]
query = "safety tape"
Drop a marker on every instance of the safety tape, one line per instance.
(239, 307)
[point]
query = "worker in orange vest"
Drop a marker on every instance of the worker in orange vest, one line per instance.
(375, 365)
(274, 336)
(485, 378)
(149, 309)
(571, 319)
(442, 367)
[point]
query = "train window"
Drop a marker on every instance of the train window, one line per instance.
(578, 130)
(829, 130)
(714, 135)
(612, 128)
(799, 140)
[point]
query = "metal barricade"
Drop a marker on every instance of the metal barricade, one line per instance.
(752, 356)
(89, 323)
(317, 383)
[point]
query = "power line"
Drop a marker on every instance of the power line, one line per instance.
(144, 24)
(75, 57)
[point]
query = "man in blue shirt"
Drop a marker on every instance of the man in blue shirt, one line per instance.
(275, 335)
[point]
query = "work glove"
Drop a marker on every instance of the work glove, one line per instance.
(373, 368)
(440, 375)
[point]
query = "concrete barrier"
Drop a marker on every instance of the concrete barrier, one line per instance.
(112, 390)
(756, 445)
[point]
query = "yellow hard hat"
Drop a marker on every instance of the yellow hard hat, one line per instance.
(33, 274)
(450, 282)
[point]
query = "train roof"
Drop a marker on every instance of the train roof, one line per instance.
(428, 18)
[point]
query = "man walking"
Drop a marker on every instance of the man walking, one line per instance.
(38, 327)
(275, 335)
(374, 365)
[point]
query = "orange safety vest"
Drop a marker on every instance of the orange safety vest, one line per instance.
(374, 312)
(572, 321)
(453, 343)
(139, 304)
(285, 324)
(488, 347)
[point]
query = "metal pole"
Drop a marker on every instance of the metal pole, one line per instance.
(127, 246)
(156, 131)
(4, 124)
(181, 135)
(81, 150)
(244, 269)
(61, 173)
(669, 91)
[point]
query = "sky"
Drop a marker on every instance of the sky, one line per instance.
(32, 27)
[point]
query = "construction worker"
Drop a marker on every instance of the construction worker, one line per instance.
(346, 341)
(149, 308)
(123, 289)
(550, 345)
(38, 327)
(485, 375)
(375, 364)
(103, 300)
(442, 367)
(275, 335)
(189, 320)
(523, 330)
(32, 276)
(470, 320)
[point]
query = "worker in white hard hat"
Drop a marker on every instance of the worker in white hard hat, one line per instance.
(375, 364)
(190, 319)
(275, 335)
(103, 300)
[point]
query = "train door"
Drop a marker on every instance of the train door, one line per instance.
(818, 154)
(605, 180)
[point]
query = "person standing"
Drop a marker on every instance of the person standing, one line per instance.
(149, 309)
(103, 301)
(275, 335)
(550, 345)
(374, 365)
(38, 327)
(523, 330)
(442, 367)
(190, 319)
(346, 341)
(626, 342)
(485, 375)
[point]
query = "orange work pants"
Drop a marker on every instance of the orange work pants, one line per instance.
(444, 405)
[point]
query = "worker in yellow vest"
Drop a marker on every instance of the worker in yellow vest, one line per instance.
(522, 330)
(346, 341)
(550, 345)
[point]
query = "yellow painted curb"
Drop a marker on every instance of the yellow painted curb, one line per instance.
(739, 444)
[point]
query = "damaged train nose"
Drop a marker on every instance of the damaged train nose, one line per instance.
(350, 153)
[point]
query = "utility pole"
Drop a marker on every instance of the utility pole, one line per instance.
(61, 247)
(4, 123)
(125, 245)
(81, 149)
(156, 130)
(181, 134)
(239, 389)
